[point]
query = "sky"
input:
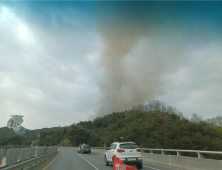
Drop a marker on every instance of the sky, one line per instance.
(65, 62)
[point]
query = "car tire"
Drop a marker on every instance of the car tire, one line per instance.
(105, 161)
(139, 166)
(113, 160)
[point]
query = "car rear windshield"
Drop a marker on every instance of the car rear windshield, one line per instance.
(128, 146)
(86, 146)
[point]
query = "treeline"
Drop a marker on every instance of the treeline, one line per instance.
(14, 140)
(8, 137)
(53, 138)
(151, 126)
(154, 129)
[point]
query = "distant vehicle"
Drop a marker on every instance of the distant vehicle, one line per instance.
(128, 152)
(83, 148)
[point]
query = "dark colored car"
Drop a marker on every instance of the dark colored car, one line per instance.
(84, 149)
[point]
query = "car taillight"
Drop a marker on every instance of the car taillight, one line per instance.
(138, 150)
(120, 150)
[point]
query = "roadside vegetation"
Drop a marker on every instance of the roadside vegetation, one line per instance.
(153, 125)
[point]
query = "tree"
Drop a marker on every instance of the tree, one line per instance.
(67, 142)
(196, 118)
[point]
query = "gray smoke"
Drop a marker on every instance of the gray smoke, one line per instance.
(133, 60)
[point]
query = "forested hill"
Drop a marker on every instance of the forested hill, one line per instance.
(152, 129)
(8, 137)
(4, 132)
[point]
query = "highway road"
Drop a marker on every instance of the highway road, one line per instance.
(70, 159)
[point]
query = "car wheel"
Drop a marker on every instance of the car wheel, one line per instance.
(139, 166)
(105, 161)
(113, 160)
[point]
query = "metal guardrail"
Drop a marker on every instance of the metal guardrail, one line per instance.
(18, 155)
(178, 151)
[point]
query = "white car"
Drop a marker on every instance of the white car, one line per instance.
(128, 152)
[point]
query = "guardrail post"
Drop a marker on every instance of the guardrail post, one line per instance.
(163, 152)
(178, 153)
(151, 151)
(200, 155)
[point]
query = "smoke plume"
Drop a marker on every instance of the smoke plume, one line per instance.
(136, 52)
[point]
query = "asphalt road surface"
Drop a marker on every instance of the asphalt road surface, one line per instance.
(70, 159)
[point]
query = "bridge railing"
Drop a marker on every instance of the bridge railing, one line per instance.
(177, 151)
(17, 155)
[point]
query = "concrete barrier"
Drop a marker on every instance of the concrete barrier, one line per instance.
(40, 151)
(32, 152)
(188, 163)
(31, 163)
(16, 156)
(10, 156)
(23, 154)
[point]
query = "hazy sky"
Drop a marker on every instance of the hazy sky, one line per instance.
(65, 62)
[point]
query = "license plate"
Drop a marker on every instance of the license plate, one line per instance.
(131, 159)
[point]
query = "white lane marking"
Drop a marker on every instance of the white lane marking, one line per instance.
(87, 161)
(150, 167)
